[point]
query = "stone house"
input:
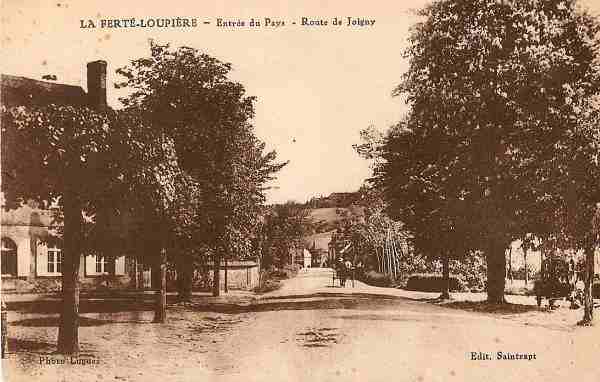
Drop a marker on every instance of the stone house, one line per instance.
(30, 260)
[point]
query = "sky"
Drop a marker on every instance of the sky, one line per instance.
(316, 86)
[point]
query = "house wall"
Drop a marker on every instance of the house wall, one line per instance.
(35, 283)
(27, 227)
(241, 275)
(20, 235)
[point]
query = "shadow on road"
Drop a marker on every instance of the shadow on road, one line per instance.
(32, 352)
(319, 300)
(484, 307)
(387, 317)
(96, 305)
(316, 301)
(16, 345)
(336, 295)
(49, 322)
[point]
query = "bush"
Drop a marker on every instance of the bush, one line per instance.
(376, 279)
(471, 270)
(278, 274)
(518, 290)
(287, 272)
(267, 286)
(433, 283)
(519, 273)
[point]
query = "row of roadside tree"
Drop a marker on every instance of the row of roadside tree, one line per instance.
(176, 174)
(502, 138)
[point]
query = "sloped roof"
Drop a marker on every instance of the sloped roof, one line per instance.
(16, 91)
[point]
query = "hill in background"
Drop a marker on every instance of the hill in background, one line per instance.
(328, 213)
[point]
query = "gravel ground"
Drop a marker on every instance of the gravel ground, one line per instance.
(310, 330)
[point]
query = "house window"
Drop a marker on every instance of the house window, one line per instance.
(101, 264)
(9, 257)
(54, 260)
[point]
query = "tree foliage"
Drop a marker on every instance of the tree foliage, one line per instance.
(87, 163)
(188, 96)
(282, 231)
(500, 97)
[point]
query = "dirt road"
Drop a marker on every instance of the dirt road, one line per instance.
(309, 330)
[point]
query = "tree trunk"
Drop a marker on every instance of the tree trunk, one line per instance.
(185, 280)
(496, 272)
(226, 288)
(160, 312)
(68, 329)
(136, 278)
(510, 272)
(526, 267)
(541, 259)
(446, 277)
(588, 299)
(141, 269)
(216, 274)
(111, 268)
(111, 265)
(259, 259)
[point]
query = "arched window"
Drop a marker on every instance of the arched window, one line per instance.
(9, 257)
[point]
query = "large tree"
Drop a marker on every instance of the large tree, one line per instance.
(188, 95)
(82, 160)
(163, 200)
(494, 88)
(577, 213)
(427, 201)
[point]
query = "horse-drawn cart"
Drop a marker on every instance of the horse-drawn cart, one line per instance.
(343, 271)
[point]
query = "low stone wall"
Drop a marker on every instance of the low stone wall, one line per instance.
(53, 284)
(24, 285)
(241, 275)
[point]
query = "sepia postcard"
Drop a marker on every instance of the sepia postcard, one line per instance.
(250, 190)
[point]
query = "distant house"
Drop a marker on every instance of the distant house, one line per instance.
(307, 258)
(336, 199)
(31, 260)
(241, 274)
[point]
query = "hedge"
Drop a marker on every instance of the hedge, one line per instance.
(376, 279)
(433, 283)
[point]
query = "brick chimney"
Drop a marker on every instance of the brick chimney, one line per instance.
(96, 84)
